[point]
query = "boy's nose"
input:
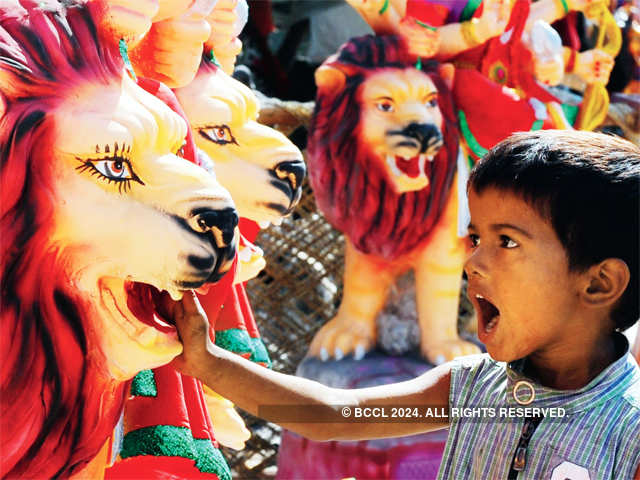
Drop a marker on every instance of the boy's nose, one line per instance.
(473, 266)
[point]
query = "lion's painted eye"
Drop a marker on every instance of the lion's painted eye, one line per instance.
(432, 101)
(179, 149)
(385, 106)
(117, 169)
(220, 134)
(114, 169)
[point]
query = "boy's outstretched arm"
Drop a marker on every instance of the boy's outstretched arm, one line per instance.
(275, 396)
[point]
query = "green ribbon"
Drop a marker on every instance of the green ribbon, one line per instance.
(426, 25)
(124, 53)
(473, 144)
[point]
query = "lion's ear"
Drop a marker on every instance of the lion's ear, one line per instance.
(330, 78)
(447, 72)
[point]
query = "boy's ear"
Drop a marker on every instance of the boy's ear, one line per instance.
(605, 283)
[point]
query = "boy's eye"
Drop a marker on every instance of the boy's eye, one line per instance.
(474, 240)
(506, 242)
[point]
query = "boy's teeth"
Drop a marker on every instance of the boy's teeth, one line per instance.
(491, 324)
(479, 296)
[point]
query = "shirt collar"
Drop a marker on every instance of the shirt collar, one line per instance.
(611, 382)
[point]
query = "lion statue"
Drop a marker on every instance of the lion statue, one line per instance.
(102, 225)
(223, 112)
(382, 163)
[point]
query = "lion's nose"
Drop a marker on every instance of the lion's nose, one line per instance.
(427, 134)
(221, 223)
(293, 172)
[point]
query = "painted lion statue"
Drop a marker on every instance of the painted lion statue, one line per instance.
(102, 225)
(382, 163)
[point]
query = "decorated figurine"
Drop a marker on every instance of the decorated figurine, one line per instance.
(170, 52)
(222, 113)
(88, 159)
(385, 176)
(226, 20)
(147, 427)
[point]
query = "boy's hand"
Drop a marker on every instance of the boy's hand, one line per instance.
(193, 329)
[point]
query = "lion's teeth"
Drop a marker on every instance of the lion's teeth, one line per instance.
(430, 157)
(278, 221)
(391, 161)
(479, 296)
(264, 223)
(421, 163)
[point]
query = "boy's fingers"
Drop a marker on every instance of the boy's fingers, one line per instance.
(190, 317)
(191, 305)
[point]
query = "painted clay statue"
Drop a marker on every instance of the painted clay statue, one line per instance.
(226, 20)
(385, 176)
(448, 30)
(222, 113)
(235, 327)
(89, 159)
(170, 52)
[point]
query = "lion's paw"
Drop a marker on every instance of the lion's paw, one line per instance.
(340, 337)
(443, 351)
(228, 427)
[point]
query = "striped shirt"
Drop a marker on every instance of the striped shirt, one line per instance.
(598, 438)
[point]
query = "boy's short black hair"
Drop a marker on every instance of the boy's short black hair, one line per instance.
(587, 184)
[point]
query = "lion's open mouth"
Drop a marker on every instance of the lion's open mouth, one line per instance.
(411, 167)
(150, 305)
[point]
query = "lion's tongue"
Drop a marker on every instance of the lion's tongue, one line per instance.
(411, 167)
(149, 305)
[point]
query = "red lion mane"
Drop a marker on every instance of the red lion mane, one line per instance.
(351, 188)
(58, 407)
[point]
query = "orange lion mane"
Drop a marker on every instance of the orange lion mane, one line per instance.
(351, 189)
(58, 406)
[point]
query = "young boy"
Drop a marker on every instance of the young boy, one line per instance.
(553, 274)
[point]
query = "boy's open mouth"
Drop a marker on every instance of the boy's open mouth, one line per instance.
(488, 315)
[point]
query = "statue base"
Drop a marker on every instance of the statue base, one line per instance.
(412, 457)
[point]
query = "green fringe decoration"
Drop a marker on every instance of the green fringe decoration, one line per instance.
(144, 384)
(260, 354)
(419, 64)
(210, 459)
(235, 340)
(384, 7)
(173, 441)
(159, 440)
